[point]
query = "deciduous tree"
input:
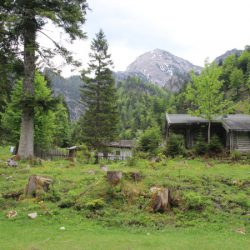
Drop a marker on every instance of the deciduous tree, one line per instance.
(21, 21)
(205, 94)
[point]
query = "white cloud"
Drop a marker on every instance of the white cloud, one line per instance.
(193, 30)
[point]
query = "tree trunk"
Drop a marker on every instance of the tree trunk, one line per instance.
(209, 132)
(26, 142)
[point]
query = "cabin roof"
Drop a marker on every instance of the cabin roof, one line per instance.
(184, 119)
(122, 144)
(237, 122)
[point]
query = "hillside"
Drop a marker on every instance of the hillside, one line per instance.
(209, 205)
(69, 88)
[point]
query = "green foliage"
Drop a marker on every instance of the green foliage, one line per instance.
(215, 145)
(201, 146)
(205, 93)
(236, 155)
(99, 122)
(194, 201)
(95, 204)
(49, 125)
(149, 140)
(141, 105)
(62, 131)
(206, 96)
(175, 145)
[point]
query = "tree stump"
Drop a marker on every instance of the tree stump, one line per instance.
(160, 200)
(12, 163)
(36, 184)
(114, 177)
(135, 176)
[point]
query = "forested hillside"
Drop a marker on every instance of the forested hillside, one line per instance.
(141, 105)
(236, 84)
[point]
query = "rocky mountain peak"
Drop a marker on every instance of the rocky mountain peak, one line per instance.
(163, 68)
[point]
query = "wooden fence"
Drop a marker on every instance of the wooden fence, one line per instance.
(51, 154)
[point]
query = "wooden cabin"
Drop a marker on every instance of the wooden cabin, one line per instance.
(233, 130)
(119, 150)
(237, 128)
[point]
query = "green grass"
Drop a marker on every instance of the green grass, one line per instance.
(213, 210)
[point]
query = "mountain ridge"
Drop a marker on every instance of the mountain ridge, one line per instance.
(163, 68)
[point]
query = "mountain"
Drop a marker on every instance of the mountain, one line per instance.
(219, 60)
(69, 88)
(163, 68)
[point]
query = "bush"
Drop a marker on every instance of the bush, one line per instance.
(215, 145)
(149, 140)
(236, 155)
(201, 146)
(95, 204)
(194, 201)
(175, 145)
(69, 202)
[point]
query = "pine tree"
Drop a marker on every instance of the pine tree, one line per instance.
(99, 123)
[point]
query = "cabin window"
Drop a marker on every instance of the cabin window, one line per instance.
(117, 152)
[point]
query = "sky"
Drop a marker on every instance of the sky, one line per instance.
(191, 29)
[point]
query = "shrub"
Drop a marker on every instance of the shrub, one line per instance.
(215, 145)
(236, 155)
(52, 196)
(69, 202)
(149, 140)
(193, 201)
(201, 146)
(95, 204)
(175, 145)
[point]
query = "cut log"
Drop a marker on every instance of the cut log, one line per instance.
(36, 184)
(161, 199)
(114, 177)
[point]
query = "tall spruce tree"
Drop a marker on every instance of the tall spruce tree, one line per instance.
(20, 22)
(100, 120)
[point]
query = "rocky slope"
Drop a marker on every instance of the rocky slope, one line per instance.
(219, 60)
(69, 88)
(163, 68)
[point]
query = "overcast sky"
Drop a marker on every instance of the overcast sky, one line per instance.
(191, 29)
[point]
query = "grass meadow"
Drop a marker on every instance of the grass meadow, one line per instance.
(211, 208)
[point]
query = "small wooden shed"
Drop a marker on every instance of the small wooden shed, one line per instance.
(192, 128)
(119, 150)
(238, 132)
(233, 130)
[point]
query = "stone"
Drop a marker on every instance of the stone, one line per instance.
(11, 214)
(114, 177)
(12, 163)
(104, 168)
(91, 171)
(32, 215)
(36, 184)
(160, 199)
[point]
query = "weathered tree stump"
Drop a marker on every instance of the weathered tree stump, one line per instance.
(36, 184)
(135, 176)
(160, 200)
(12, 163)
(114, 177)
